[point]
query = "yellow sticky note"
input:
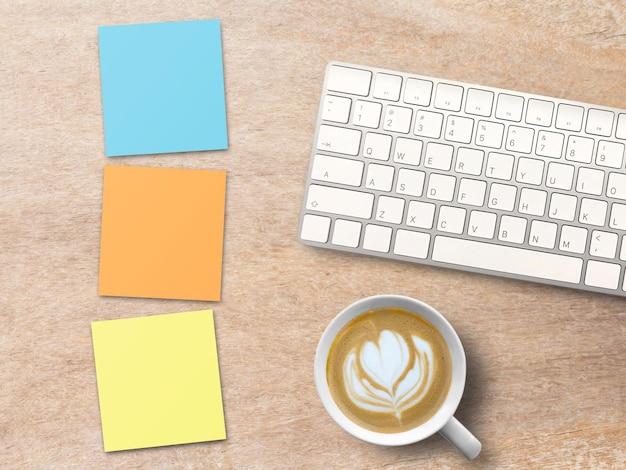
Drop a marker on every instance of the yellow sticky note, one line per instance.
(158, 380)
(162, 233)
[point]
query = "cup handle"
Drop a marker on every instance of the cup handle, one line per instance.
(458, 435)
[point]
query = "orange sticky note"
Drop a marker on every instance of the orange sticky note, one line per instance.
(162, 233)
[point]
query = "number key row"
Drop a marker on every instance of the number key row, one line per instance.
(489, 135)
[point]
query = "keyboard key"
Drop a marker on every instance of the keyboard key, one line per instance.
(349, 80)
(379, 177)
(336, 109)
(509, 107)
(579, 149)
(337, 170)
(410, 182)
(500, 166)
(592, 212)
(573, 239)
(339, 140)
(448, 97)
(616, 187)
(610, 154)
(562, 207)
(520, 139)
(397, 119)
(413, 244)
(451, 219)
(599, 122)
(479, 102)
(620, 133)
(550, 144)
(603, 244)
(618, 217)
(560, 176)
(428, 124)
(390, 209)
(459, 129)
(569, 117)
(590, 181)
(377, 238)
(489, 134)
(482, 224)
(472, 192)
(502, 197)
(512, 229)
(315, 228)
(387, 87)
(346, 233)
(367, 114)
(507, 260)
(420, 214)
(542, 234)
(407, 151)
(377, 146)
(532, 202)
(469, 161)
(604, 275)
(539, 112)
(340, 201)
(438, 156)
(418, 92)
(529, 171)
(441, 187)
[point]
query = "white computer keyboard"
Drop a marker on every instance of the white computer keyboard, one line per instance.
(464, 176)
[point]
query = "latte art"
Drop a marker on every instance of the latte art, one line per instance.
(389, 370)
(389, 376)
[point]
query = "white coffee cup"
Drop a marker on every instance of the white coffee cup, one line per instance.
(443, 421)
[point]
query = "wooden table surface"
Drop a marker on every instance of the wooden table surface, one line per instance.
(546, 381)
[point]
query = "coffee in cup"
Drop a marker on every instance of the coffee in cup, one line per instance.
(391, 370)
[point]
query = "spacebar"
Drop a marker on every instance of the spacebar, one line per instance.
(506, 259)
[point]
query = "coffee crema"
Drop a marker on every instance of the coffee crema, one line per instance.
(389, 370)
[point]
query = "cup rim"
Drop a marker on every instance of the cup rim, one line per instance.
(459, 369)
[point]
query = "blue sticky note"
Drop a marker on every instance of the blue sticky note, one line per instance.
(162, 87)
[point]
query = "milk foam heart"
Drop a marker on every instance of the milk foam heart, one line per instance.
(390, 375)
(388, 370)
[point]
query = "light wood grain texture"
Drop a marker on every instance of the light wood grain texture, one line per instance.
(546, 366)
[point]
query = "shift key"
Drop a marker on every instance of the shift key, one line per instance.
(340, 201)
